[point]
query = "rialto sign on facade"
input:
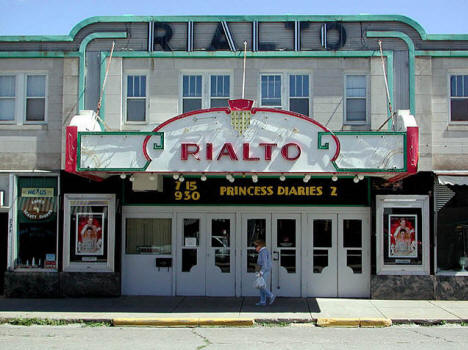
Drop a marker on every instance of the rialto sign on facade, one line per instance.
(240, 140)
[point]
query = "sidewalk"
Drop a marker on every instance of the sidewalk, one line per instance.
(212, 308)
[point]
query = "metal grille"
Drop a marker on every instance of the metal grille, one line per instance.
(442, 195)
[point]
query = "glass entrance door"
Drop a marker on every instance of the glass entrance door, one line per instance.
(192, 235)
(286, 243)
(254, 226)
(220, 256)
(340, 255)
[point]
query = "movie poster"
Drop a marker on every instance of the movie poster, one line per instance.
(403, 237)
(89, 234)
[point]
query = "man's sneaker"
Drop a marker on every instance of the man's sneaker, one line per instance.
(272, 298)
(260, 304)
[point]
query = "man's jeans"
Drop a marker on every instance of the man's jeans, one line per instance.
(265, 292)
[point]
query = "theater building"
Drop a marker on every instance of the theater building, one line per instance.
(143, 155)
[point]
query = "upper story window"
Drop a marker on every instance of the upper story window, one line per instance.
(7, 97)
(299, 93)
(356, 99)
(35, 97)
(293, 94)
(219, 90)
(191, 93)
(271, 91)
(206, 90)
(459, 98)
(23, 98)
(136, 98)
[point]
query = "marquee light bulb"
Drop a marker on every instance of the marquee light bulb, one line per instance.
(181, 178)
(152, 177)
(356, 179)
(282, 178)
(132, 178)
(334, 178)
(203, 177)
(123, 176)
(175, 176)
(306, 178)
(254, 178)
(361, 177)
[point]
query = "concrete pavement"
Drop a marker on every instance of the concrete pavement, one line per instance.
(209, 309)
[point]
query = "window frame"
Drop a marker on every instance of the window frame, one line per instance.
(15, 97)
(21, 97)
(73, 266)
(286, 89)
(449, 95)
(288, 77)
(345, 99)
(206, 86)
(125, 97)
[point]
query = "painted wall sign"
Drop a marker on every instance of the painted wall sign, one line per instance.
(37, 208)
(37, 192)
(223, 35)
(269, 191)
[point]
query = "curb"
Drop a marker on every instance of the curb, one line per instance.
(354, 322)
(184, 322)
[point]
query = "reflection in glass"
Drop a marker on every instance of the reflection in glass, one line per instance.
(288, 260)
(352, 233)
(220, 233)
(189, 259)
(191, 232)
(320, 260)
(323, 233)
(256, 229)
(251, 260)
(286, 232)
(354, 260)
(222, 259)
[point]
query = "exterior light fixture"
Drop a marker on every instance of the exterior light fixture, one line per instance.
(356, 179)
(175, 176)
(228, 177)
(231, 179)
(282, 177)
(152, 177)
(360, 177)
(203, 177)
(306, 178)
(254, 178)
(181, 178)
(123, 176)
(132, 178)
(334, 178)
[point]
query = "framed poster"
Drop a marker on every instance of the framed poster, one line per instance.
(89, 238)
(403, 236)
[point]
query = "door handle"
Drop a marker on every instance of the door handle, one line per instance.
(275, 256)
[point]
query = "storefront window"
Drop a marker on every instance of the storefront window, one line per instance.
(452, 229)
(37, 223)
(149, 236)
(89, 232)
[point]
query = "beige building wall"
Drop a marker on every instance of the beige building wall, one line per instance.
(35, 146)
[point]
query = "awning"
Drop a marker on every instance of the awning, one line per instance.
(452, 177)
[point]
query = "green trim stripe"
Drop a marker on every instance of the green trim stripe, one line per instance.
(83, 46)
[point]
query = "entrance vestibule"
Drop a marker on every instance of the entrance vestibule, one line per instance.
(315, 251)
